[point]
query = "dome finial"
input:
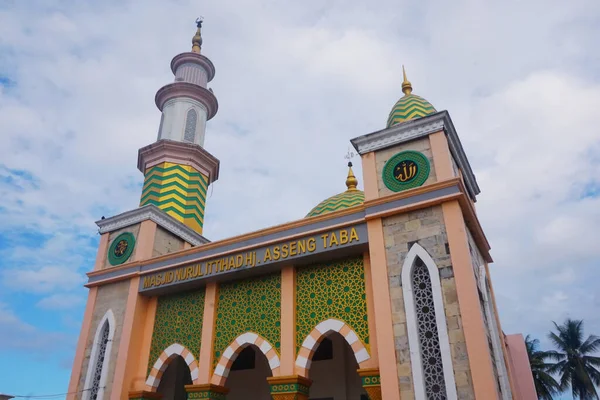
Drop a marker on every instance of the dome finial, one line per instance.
(351, 181)
(406, 85)
(197, 39)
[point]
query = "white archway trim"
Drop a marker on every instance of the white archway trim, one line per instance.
(314, 338)
(165, 359)
(231, 352)
(411, 322)
(109, 319)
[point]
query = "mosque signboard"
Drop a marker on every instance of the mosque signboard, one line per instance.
(341, 240)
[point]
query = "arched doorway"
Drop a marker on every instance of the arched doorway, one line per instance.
(333, 371)
(248, 375)
(174, 379)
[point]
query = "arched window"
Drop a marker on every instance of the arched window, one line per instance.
(190, 126)
(95, 381)
(431, 362)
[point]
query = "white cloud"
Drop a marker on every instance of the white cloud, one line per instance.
(60, 301)
(295, 82)
(19, 335)
(42, 280)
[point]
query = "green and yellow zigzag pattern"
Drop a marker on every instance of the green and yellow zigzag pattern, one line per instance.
(177, 189)
(409, 107)
(349, 198)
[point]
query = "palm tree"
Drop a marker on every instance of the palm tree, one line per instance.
(575, 365)
(545, 384)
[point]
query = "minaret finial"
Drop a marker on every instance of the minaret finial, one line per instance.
(406, 85)
(197, 39)
(351, 181)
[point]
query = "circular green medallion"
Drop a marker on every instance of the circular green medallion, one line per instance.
(405, 170)
(121, 248)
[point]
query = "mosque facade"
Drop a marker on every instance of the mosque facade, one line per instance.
(377, 294)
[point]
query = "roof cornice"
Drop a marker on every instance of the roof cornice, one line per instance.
(155, 214)
(415, 129)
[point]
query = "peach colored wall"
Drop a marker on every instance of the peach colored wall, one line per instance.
(288, 320)
(390, 388)
(384, 333)
(146, 320)
(120, 385)
(480, 362)
(370, 176)
(205, 362)
(441, 156)
(83, 335)
(145, 241)
(102, 251)
(373, 362)
(520, 369)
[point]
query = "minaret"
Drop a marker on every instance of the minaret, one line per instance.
(177, 168)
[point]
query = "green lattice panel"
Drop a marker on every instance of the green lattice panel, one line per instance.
(331, 290)
(251, 305)
(178, 320)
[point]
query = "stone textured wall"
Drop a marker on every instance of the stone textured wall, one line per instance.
(421, 145)
(135, 229)
(426, 227)
(165, 242)
(114, 297)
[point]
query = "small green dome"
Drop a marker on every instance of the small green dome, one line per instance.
(410, 106)
(347, 199)
(350, 198)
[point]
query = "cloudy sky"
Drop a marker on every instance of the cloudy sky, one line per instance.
(295, 81)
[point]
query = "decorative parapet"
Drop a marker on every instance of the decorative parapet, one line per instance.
(417, 128)
(189, 90)
(291, 387)
(175, 152)
(371, 381)
(153, 213)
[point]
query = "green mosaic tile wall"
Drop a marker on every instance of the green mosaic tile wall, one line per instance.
(331, 290)
(178, 320)
(251, 305)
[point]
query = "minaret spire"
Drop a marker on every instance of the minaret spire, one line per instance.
(177, 168)
(406, 85)
(197, 39)
(351, 181)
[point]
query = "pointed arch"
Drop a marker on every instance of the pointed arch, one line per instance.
(165, 359)
(97, 371)
(191, 120)
(314, 338)
(415, 254)
(230, 354)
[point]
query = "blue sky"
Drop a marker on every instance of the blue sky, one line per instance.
(295, 82)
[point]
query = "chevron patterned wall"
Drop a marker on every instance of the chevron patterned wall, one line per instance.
(177, 189)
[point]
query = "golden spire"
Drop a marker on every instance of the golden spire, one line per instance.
(197, 39)
(406, 85)
(351, 181)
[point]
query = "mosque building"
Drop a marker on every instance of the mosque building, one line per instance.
(377, 294)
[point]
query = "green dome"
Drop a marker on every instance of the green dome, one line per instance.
(347, 199)
(350, 198)
(410, 106)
